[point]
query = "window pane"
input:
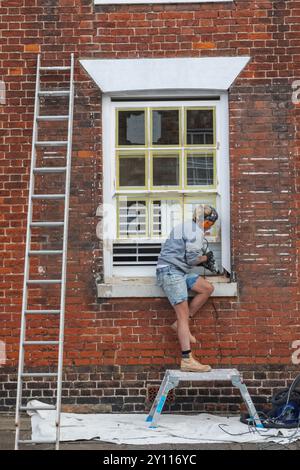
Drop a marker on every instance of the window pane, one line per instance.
(131, 127)
(166, 170)
(165, 127)
(166, 213)
(200, 127)
(132, 218)
(200, 169)
(132, 171)
(156, 218)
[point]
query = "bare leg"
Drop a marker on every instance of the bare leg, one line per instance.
(183, 330)
(198, 301)
(204, 290)
(192, 338)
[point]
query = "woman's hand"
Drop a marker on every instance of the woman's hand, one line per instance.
(202, 259)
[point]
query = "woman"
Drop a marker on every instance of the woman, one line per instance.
(179, 254)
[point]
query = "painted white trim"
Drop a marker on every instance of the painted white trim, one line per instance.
(107, 136)
(160, 94)
(224, 185)
(147, 288)
(131, 2)
(200, 73)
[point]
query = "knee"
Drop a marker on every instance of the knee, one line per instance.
(210, 289)
(182, 312)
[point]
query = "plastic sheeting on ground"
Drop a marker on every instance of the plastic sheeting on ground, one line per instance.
(133, 428)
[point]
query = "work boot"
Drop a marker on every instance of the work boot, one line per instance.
(189, 364)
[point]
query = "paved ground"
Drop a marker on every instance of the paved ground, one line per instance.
(7, 432)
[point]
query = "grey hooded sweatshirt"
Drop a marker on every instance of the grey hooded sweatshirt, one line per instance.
(183, 247)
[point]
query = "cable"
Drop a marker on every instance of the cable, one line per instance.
(262, 433)
(291, 388)
(234, 434)
(216, 318)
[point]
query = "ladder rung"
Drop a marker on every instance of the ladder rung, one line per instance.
(53, 143)
(56, 68)
(45, 252)
(29, 441)
(53, 117)
(48, 196)
(42, 312)
(44, 281)
(49, 169)
(38, 374)
(32, 343)
(47, 224)
(54, 92)
(51, 153)
(37, 408)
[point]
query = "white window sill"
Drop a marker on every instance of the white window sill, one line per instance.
(130, 2)
(146, 287)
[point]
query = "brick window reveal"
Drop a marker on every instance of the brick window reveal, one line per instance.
(163, 159)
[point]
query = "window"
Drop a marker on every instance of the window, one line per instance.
(161, 159)
(159, 150)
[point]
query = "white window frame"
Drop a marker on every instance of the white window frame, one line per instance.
(111, 274)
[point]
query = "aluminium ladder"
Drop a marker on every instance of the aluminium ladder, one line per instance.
(65, 170)
(173, 377)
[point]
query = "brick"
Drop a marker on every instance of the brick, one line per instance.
(16, 71)
(85, 154)
(32, 48)
(204, 45)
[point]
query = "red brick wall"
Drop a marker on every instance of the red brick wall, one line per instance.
(257, 328)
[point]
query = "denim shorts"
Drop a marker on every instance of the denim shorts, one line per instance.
(175, 283)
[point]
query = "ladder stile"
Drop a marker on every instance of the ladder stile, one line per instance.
(61, 280)
(26, 265)
(64, 257)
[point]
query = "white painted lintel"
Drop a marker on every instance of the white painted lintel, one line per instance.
(196, 73)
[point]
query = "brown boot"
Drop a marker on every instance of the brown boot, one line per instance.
(189, 364)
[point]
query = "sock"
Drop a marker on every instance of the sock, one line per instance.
(186, 354)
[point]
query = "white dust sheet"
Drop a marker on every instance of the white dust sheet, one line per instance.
(171, 429)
